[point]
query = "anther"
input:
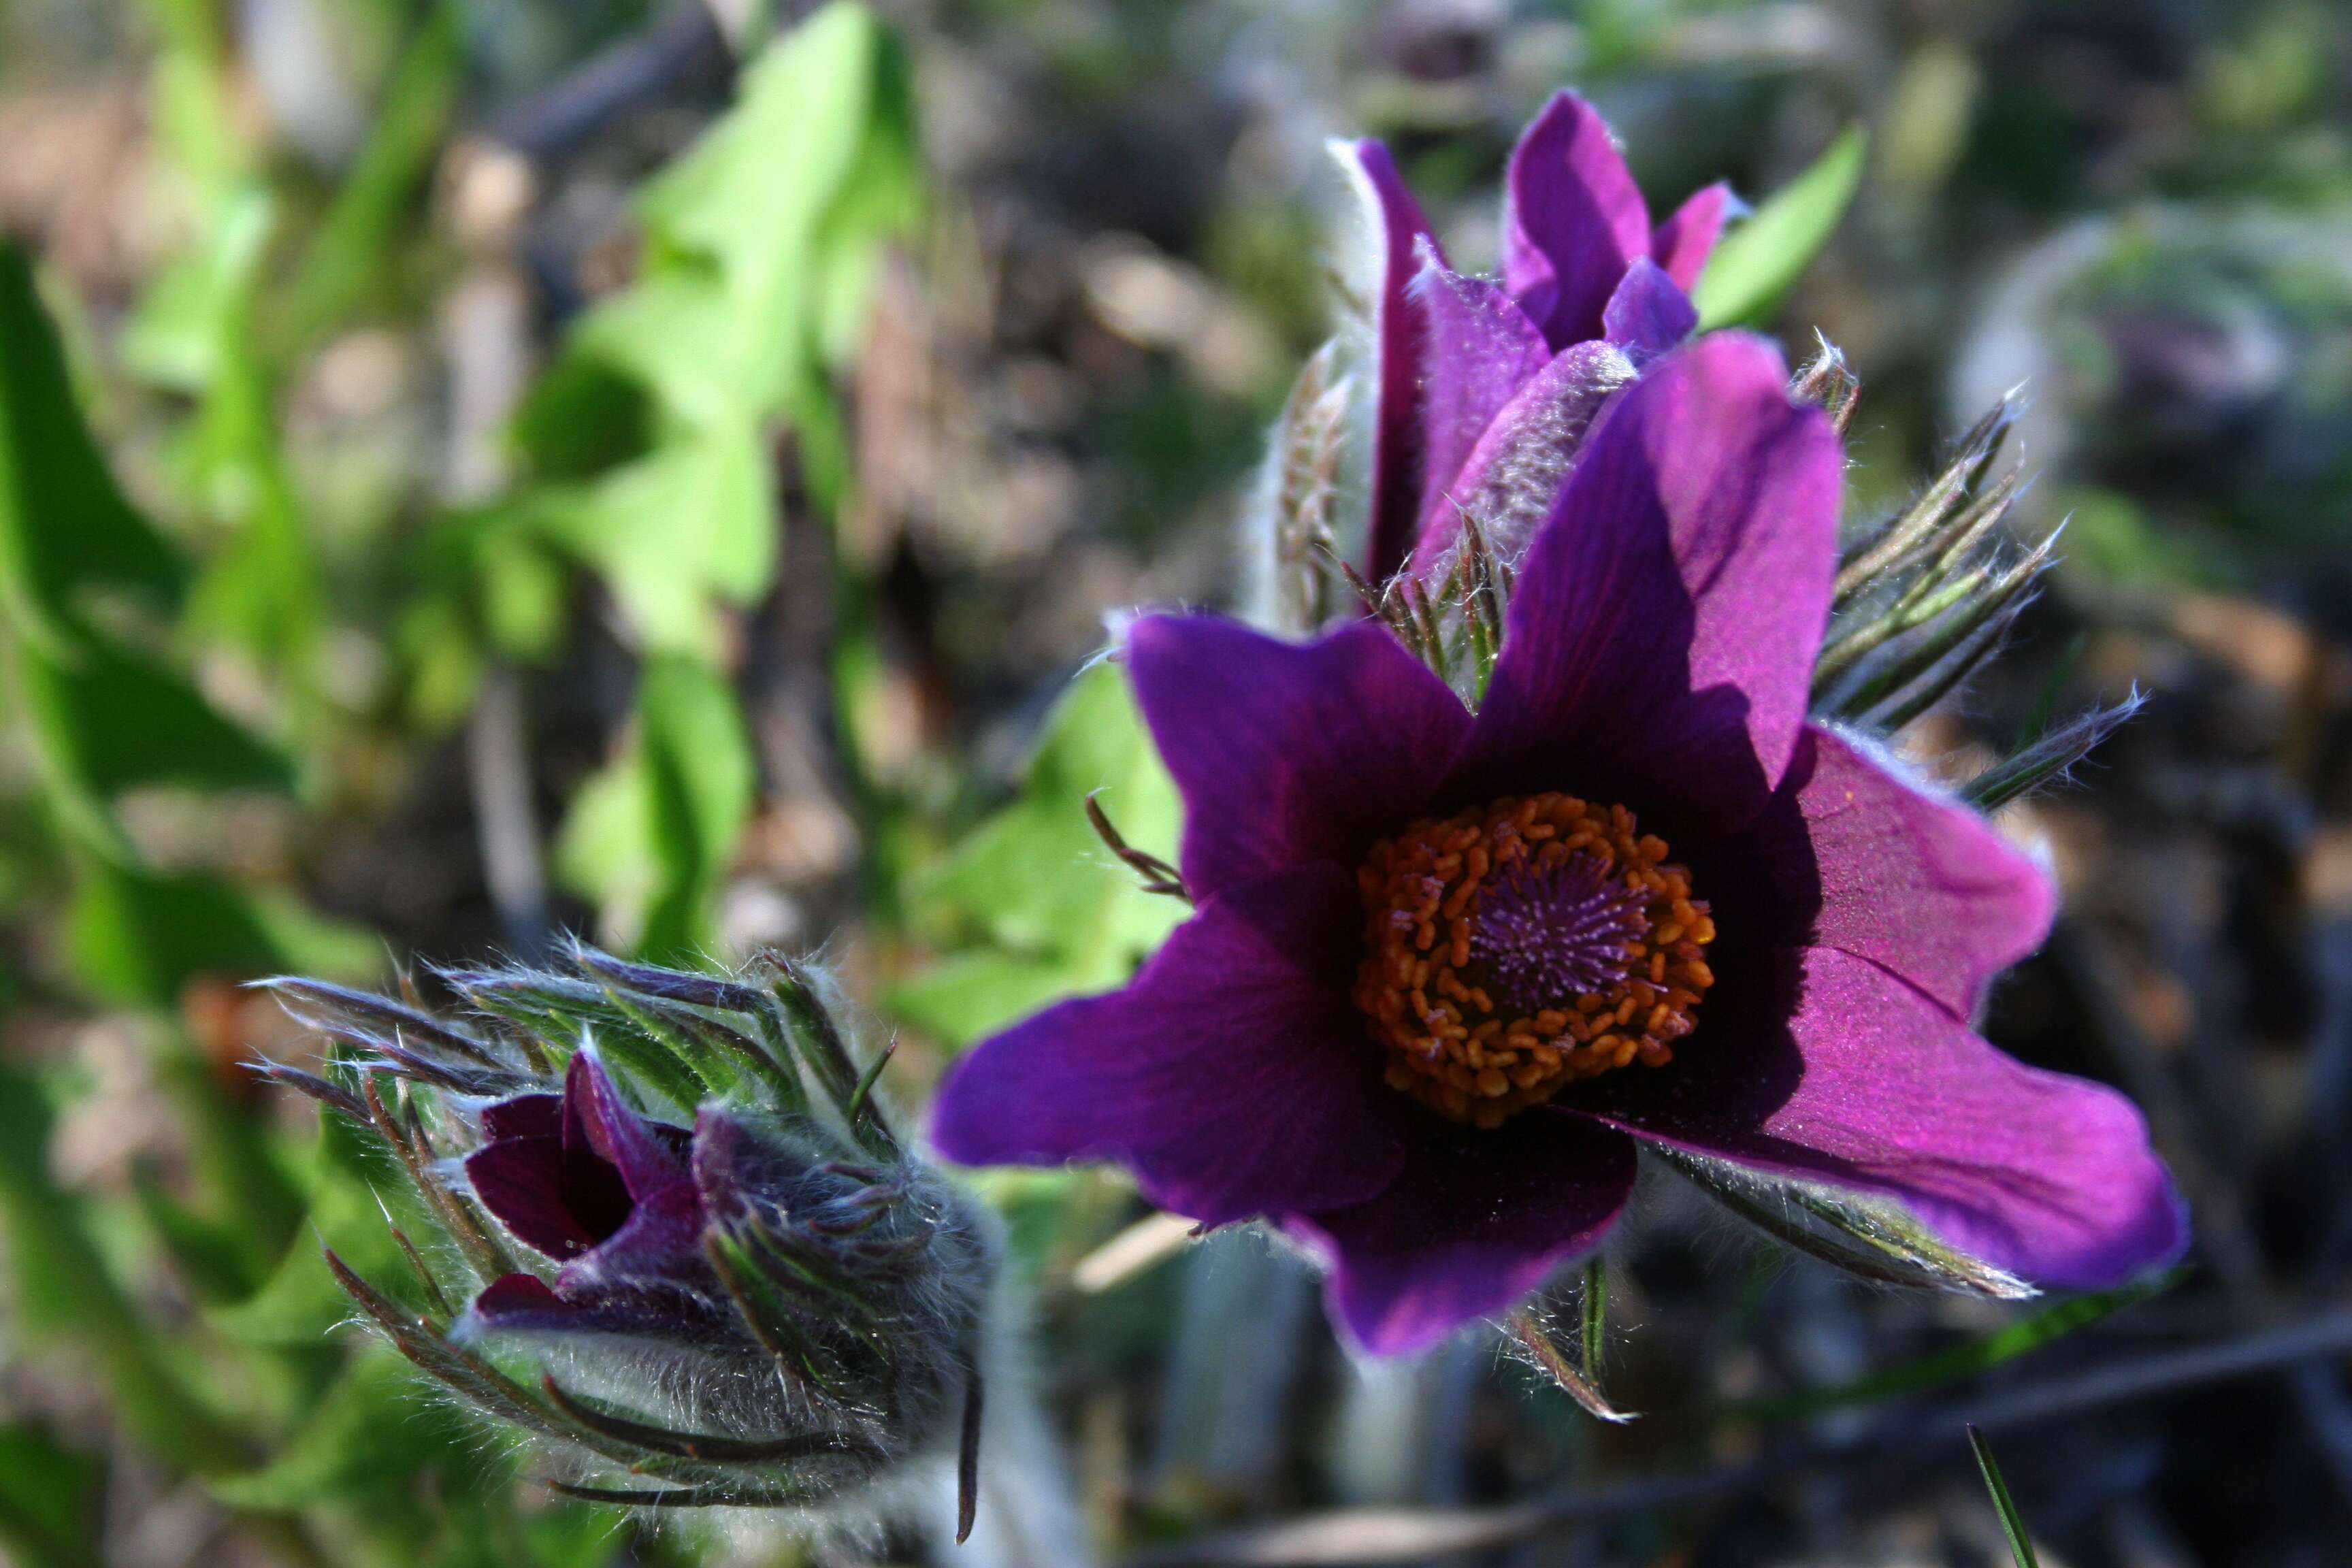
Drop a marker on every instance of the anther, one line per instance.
(1522, 946)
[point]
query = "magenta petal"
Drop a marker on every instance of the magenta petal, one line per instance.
(1684, 241)
(1475, 1221)
(660, 1241)
(1659, 644)
(1648, 313)
(1398, 329)
(1513, 475)
(1572, 219)
(594, 1111)
(517, 1295)
(1287, 752)
(1234, 1075)
(1912, 882)
(1480, 348)
(524, 1116)
(525, 1184)
(2048, 1176)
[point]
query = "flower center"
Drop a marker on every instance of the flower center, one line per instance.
(1519, 946)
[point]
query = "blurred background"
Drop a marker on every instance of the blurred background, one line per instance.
(629, 467)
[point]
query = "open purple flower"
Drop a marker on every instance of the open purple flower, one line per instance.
(1447, 968)
(1483, 388)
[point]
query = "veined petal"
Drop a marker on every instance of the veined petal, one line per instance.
(1572, 220)
(1648, 313)
(1684, 241)
(1874, 1085)
(1234, 1075)
(1660, 639)
(1405, 241)
(1480, 348)
(1854, 856)
(1475, 1221)
(1288, 752)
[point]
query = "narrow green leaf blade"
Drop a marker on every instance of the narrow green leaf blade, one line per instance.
(2013, 1526)
(1759, 261)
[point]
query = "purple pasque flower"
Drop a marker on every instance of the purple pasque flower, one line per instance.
(1483, 388)
(616, 1200)
(1446, 969)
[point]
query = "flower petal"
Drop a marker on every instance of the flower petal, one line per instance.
(1572, 219)
(1406, 243)
(1480, 348)
(1684, 242)
(1873, 1085)
(1286, 752)
(1513, 475)
(1234, 1075)
(1648, 313)
(1475, 1221)
(1660, 640)
(524, 1116)
(527, 1187)
(1861, 859)
(660, 1243)
(596, 1113)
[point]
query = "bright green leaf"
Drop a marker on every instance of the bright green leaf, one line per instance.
(138, 938)
(49, 1497)
(1038, 885)
(1760, 260)
(651, 836)
(65, 527)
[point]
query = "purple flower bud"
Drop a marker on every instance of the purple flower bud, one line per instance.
(684, 1220)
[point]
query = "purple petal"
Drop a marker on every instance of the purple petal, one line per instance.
(1234, 1075)
(593, 1111)
(1480, 348)
(1473, 1222)
(1648, 314)
(1865, 862)
(1572, 219)
(1875, 1086)
(1286, 752)
(514, 1295)
(1684, 241)
(660, 1242)
(1398, 330)
(526, 1185)
(1660, 640)
(1513, 475)
(524, 1116)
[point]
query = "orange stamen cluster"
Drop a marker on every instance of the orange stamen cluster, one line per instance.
(1518, 947)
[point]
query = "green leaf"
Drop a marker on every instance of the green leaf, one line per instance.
(348, 253)
(357, 1192)
(110, 720)
(64, 525)
(969, 995)
(49, 1497)
(650, 836)
(2013, 1525)
(1760, 260)
(63, 1292)
(693, 519)
(732, 203)
(367, 1441)
(136, 938)
(1048, 902)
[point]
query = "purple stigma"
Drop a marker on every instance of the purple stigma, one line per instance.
(1545, 935)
